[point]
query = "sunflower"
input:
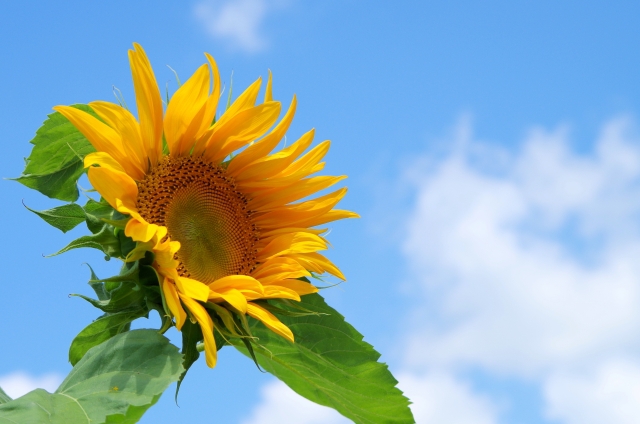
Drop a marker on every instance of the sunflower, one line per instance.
(224, 217)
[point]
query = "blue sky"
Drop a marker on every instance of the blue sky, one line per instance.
(492, 151)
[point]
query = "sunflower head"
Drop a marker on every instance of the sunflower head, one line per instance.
(229, 223)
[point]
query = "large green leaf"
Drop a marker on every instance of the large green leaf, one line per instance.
(100, 330)
(331, 365)
(55, 163)
(116, 382)
(4, 398)
(64, 218)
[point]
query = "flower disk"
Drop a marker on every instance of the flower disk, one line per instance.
(229, 223)
(203, 210)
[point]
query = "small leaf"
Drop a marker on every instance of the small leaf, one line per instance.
(55, 163)
(125, 297)
(97, 287)
(330, 364)
(115, 382)
(64, 218)
(105, 241)
(4, 398)
(100, 330)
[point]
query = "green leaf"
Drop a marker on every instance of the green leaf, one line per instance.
(4, 398)
(64, 218)
(55, 163)
(105, 241)
(331, 365)
(116, 382)
(100, 330)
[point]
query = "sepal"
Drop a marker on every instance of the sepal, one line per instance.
(105, 241)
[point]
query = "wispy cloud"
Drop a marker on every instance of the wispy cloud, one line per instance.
(236, 22)
(19, 383)
(528, 265)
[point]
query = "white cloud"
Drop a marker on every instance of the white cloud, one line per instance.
(237, 22)
(281, 405)
(19, 383)
(611, 394)
(440, 398)
(527, 263)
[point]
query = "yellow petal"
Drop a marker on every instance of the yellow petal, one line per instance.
(114, 185)
(244, 101)
(279, 276)
(185, 112)
(330, 216)
(280, 292)
(291, 244)
(279, 266)
(206, 324)
(244, 127)
(148, 101)
(164, 253)
(235, 282)
(265, 145)
(303, 166)
(140, 231)
(268, 93)
(193, 288)
(300, 212)
(232, 296)
(173, 302)
(300, 287)
(212, 101)
(275, 163)
(270, 321)
(299, 190)
(104, 160)
(317, 263)
(126, 125)
(100, 135)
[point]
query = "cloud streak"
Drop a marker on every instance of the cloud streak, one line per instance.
(236, 22)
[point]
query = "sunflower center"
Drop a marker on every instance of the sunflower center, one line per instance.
(201, 209)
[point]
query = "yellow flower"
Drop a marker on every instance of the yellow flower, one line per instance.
(224, 229)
